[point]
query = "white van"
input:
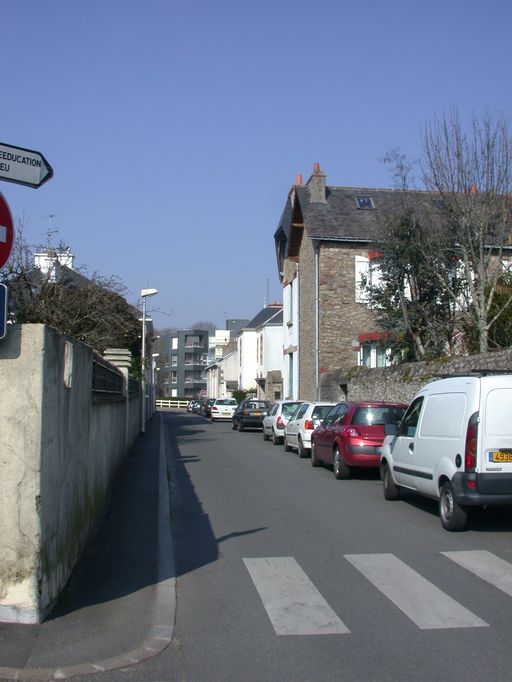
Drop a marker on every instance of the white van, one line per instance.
(454, 444)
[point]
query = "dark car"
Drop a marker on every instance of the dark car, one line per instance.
(250, 414)
(206, 407)
(352, 435)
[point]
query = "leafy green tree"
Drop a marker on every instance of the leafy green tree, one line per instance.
(409, 303)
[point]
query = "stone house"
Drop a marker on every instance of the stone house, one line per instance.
(323, 246)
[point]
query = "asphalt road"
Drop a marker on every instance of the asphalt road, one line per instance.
(285, 574)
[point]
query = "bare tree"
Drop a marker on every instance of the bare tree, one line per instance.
(470, 171)
(91, 309)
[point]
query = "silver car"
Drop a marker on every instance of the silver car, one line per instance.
(298, 430)
(277, 418)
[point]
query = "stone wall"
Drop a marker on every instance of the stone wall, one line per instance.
(59, 451)
(400, 383)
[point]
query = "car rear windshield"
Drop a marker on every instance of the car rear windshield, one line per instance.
(320, 411)
(290, 408)
(373, 416)
(257, 405)
(226, 401)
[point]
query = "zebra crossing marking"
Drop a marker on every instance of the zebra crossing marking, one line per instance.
(486, 566)
(292, 602)
(421, 601)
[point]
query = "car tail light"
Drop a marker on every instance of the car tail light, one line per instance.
(246, 413)
(309, 425)
(351, 432)
(280, 423)
(471, 441)
(215, 409)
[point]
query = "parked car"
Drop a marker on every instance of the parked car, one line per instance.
(223, 408)
(277, 418)
(206, 406)
(352, 435)
(298, 430)
(196, 407)
(190, 405)
(454, 444)
(250, 413)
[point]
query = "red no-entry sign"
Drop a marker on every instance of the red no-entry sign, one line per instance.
(6, 232)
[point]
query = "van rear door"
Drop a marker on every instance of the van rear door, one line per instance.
(495, 437)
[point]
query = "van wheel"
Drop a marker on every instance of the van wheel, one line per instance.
(453, 516)
(340, 469)
(390, 488)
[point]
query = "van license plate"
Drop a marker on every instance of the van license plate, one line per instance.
(500, 456)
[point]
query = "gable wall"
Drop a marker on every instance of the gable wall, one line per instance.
(341, 318)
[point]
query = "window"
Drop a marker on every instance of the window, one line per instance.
(409, 423)
(302, 411)
(364, 201)
(174, 345)
(373, 354)
(174, 377)
(174, 360)
(367, 273)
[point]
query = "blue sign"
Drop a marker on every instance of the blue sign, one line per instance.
(3, 311)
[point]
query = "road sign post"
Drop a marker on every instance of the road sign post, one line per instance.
(23, 166)
(3, 311)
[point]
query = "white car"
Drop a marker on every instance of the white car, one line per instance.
(297, 433)
(223, 408)
(277, 418)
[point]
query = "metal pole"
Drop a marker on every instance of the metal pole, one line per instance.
(143, 368)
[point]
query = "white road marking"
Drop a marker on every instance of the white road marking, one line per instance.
(421, 601)
(487, 566)
(292, 602)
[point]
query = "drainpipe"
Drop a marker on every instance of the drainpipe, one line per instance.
(317, 318)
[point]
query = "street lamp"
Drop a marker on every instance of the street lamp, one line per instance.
(145, 293)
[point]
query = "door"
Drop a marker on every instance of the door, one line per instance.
(403, 445)
(327, 432)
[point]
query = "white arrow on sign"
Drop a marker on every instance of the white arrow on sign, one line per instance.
(23, 166)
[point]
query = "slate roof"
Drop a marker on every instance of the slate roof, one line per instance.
(264, 316)
(339, 217)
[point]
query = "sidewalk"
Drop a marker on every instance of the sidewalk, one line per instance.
(119, 605)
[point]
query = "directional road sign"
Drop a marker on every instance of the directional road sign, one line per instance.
(23, 166)
(6, 232)
(3, 311)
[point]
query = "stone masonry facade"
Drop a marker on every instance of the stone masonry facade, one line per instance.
(400, 383)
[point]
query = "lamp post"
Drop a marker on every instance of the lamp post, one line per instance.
(145, 293)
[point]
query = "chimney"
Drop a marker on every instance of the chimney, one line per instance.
(298, 179)
(316, 185)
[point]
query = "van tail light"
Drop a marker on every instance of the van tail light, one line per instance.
(280, 423)
(471, 441)
(309, 425)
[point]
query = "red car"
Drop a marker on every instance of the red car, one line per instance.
(352, 434)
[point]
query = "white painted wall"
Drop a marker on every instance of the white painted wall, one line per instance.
(58, 454)
(290, 336)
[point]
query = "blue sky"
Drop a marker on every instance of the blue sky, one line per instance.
(176, 129)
